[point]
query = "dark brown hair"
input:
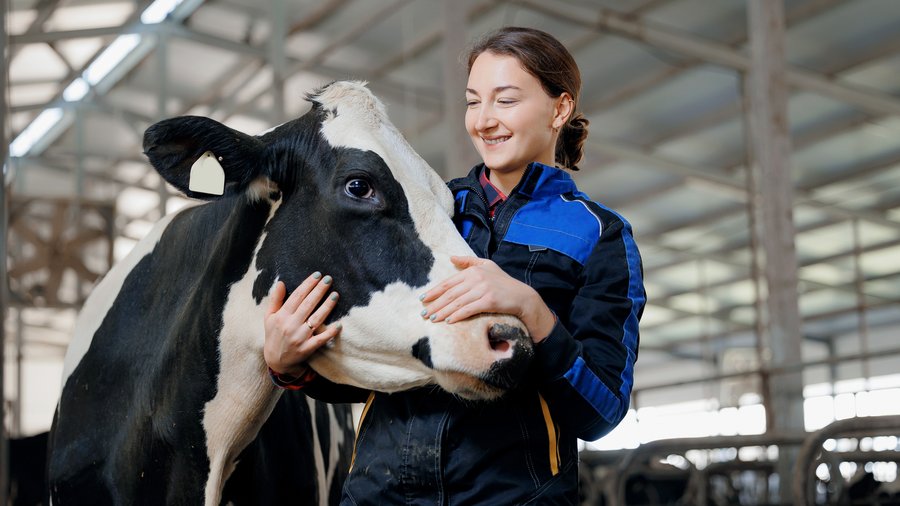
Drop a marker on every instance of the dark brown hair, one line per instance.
(544, 57)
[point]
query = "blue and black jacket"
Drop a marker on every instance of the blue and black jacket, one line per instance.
(425, 447)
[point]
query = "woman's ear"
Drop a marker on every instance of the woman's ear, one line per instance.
(563, 110)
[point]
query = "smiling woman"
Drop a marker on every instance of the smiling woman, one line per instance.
(566, 266)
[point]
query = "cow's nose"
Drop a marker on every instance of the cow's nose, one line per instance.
(501, 336)
(517, 351)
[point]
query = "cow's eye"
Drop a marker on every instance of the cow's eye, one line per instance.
(359, 188)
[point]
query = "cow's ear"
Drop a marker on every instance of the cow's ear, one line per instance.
(173, 145)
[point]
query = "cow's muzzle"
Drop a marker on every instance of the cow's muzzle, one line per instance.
(508, 372)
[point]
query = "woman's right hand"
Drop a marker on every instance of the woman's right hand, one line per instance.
(295, 327)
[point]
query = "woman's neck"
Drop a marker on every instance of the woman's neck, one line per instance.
(506, 181)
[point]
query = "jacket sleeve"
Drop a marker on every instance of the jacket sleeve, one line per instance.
(319, 388)
(585, 367)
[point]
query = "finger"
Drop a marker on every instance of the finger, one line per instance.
(466, 261)
(448, 297)
(277, 298)
(318, 317)
(315, 342)
(300, 293)
(442, 287)
(462, 301)
(313, 298)
(474, 308)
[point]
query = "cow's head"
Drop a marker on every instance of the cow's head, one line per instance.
(349, 197)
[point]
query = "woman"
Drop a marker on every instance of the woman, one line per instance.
(566, 266)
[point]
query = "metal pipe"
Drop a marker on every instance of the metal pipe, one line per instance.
(782, 369)
(644, 452)
(4, 287)
(803, 486)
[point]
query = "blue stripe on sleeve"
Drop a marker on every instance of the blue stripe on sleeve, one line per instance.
(588, 385)
(465, 226)
(594, 391)
(638, 299)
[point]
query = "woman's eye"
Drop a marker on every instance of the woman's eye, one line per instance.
(359, 188)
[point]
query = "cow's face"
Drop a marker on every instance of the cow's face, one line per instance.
(350, 198)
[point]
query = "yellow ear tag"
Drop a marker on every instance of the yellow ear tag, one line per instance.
(207, 175)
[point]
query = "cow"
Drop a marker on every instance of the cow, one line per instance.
(166, 396)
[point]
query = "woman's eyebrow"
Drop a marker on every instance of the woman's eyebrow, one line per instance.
(496, 90)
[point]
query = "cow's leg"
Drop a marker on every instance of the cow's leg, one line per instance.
(244, 400)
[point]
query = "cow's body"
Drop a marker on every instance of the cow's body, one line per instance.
(165, 391)
(147, 414)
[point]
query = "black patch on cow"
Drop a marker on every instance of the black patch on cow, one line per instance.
(278, 467)
(152, 365)
(364, 244)
(153, 362)
(422, 351)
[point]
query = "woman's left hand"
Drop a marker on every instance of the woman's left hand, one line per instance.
(482, 287)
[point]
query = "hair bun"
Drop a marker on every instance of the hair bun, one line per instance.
(570, 145)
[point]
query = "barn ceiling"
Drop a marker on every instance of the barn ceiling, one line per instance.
(663, 90)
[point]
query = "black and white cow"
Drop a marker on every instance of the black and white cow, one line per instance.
(164, 384)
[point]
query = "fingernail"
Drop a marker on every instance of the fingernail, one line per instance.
(333, 296)
(338, 325)
(327, 280)
(422, 297)
(317, 275)
(432, 317)
(424, 312)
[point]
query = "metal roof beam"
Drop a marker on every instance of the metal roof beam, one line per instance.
(794, 17)
(726, 184)
(717, 53)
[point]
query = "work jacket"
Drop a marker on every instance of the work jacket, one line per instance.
(427, 447)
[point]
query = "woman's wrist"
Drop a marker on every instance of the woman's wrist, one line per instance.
(292, 374)
(539, 319)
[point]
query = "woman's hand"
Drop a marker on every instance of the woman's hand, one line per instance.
(294, 330)
(483, 287)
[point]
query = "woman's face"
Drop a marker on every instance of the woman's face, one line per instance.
(509, 116)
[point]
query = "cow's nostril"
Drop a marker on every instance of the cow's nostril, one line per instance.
(506, 333)
(499, 345)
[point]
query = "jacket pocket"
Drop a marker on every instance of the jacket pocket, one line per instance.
(536, 252)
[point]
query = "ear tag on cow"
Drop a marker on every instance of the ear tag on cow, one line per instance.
(207, 175)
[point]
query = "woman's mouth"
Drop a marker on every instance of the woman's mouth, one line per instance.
(495, 140)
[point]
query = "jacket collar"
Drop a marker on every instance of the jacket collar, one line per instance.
(538, 181)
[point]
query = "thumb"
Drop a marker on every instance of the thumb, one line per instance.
(463, 262)
(277, 298)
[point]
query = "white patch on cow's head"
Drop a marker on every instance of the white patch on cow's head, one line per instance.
(375, 346)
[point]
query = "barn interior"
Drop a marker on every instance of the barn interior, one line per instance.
(753, 145)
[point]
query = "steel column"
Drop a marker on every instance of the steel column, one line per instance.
(458, 150)
(162, 57)
(771, 154)
(277, 59)
(4, 161)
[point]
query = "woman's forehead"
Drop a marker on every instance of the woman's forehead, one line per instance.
(492, 73)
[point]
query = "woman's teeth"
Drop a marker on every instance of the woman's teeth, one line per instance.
(495, 141)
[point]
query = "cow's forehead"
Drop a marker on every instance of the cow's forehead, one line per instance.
(354, 118)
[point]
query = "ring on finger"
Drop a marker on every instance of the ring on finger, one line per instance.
(309, 325)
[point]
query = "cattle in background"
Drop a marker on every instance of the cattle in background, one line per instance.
(27, 464)
(164, 384)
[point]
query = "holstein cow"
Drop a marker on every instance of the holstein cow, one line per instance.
(164, 385)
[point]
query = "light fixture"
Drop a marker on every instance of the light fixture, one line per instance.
(101, 67)
(26, 140)
(158, 10)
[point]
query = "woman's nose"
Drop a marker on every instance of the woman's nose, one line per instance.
(486, 119)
